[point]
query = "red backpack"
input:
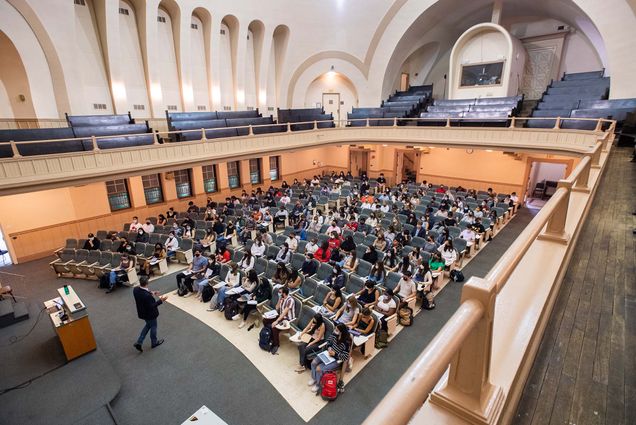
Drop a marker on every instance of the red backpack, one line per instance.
(329, 386)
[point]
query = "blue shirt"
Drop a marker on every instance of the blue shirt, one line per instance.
(199, 263)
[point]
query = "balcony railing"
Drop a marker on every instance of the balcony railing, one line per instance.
(466, 342)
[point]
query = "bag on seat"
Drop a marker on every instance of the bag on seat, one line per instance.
(381, 339)
(329, 386)
(265, 338)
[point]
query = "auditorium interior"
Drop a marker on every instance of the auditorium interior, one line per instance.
(346, 212)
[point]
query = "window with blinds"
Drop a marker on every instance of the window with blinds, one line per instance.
(255, 171)
(118, 197)
(152, 189)
(233, 174)
(274, 173)
(209, 178)
(182, 182)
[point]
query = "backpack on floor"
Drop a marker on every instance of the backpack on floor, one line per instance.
(428, 303)
(230, 308)
(381, 339)
(329, 386)
(104, 281)
(456, 276)
(207, 293)
(265, 338)
(405, 315)
(182, 290)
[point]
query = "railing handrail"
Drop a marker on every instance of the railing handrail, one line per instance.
(155, 133)
(427, 369)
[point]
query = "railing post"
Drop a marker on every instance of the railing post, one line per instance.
(394, 121)
(14, 149)
(468, 392)
(596, 155)
(251, 131)
(447, 122)
(315, 125)
(204, 137)
(513, 122)
(582, 181)
(94, 141)
(555, 229)
(367, 121)
(557, 123)
(599, 125)
(289, 127)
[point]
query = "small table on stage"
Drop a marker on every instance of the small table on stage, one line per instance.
(70, 320)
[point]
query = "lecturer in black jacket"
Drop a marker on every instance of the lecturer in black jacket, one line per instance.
(147, 311)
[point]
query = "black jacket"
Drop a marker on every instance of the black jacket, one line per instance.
(146, 304)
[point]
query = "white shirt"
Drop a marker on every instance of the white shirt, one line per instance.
(284, 200)
(135, 226)
(449, 256)
(257, 250)
(148, 228)
(406, 288)
(245, 265)
(292, 243)
(468, 235)
(335, 228)
(311, 248)
(385, 307)
(385, 208)
(172, 244)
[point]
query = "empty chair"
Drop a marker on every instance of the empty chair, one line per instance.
(106, 245)
(87, 268)
(392, 279)
(353, 286)
(260, 266)
(364, 269)
(320, 294)
(80, 257)
(61, 265)
(307, 289)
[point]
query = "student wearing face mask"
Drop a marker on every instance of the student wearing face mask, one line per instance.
(91, 243)
(135, 225)
(386, 306)
(338, 347)
(286, 313)
(148, 227)
(194, 272)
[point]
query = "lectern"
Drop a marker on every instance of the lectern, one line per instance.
(70, 320)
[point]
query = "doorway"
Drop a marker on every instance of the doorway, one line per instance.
(406, 165)
(331, 103)
(5, 257)
(404, 81)
(358, 161)
(542, 181)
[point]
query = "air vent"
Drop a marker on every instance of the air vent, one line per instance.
(194, 26)
(201, 108)
(161, 19)
(248, 36)
(222, 32)
(139, 107)
(227, 108)
(80, 2)
(124, 11)
(172, 107)
(270, 108)
(99, 105)
(250, 108)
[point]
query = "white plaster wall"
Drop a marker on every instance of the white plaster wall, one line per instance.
(6, 111)
(132, 88)
(225, 64)
(579, 55)
(250, 73)
(272, 101)
(200, 86)
(329, 83)
(167, 62)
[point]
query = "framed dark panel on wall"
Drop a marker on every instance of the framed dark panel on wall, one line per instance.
(483, 74)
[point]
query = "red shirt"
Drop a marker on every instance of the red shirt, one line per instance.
(323, 256)
(225, 257)
(352, 225)
(440, 190)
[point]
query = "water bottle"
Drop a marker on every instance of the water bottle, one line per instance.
(66, 291)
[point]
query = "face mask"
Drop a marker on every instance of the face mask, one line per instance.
(197, 255)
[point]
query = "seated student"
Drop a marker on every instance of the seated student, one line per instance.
(336, 257)
(281, 215)
(178, 231)
(386, 306)
(331, 303)
(188, 233)
(267, 237)
(333, 227)
(222, 254)
(480, 230)
(292, 242)
(281, 275)
(171, 213)
(172, 245)
(247, 262)
(368, 296)
(232, 279)
(125, 247)
(365, 324)
(161, 220)
(148, 227)
(208, 239)
(336, 279)
(425, 280)
(286, 313)
(338, 347)
(248, 285)
(284, 254)
(312, 246)
(348, 244)
(323, 254)
(142, 236)
(158, 254)
(392, 260)
(334, 240)
(258, 247)
(405, 266)
(295, 281)
(350, 263)
(135, 225)
(380, 242)
(126, 264)
(195, 271)
(406, 288)
(348, 313)
(448, 253)
(92, 243)
(468, 234)
(315, 329)
(377, 273)
(370, 255)
(262, 292)
(309, 266)
(213, 269)
(430, 245)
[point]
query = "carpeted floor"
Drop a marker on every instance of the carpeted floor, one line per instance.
(196, 365)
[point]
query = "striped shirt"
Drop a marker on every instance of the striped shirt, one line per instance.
(341, 349)
(291, 312)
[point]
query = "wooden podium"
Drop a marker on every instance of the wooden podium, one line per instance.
(70, 320)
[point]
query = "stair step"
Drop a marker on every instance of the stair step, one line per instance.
(11, 313)
(6, 307)
(20, 311)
